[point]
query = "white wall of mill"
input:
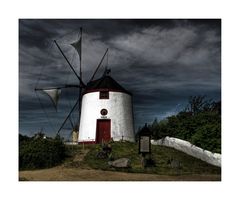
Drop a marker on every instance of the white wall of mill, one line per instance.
(119, 106)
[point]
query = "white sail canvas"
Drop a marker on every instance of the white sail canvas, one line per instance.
(54, 95)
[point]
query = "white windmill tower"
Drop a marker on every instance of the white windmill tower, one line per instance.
(105, 107)
(106, 112)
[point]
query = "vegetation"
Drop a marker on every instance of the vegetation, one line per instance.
(40, 152)
(199, 123)
(162, 156)
(82, 160)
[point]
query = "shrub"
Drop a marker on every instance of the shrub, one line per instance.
(201, 126)
(41, 153)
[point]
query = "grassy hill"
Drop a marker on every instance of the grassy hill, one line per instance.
(161, 155)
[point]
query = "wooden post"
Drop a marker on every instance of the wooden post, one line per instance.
(143, 160)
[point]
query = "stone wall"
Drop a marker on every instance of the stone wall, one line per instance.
(190, 149)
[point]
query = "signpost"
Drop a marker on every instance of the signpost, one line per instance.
(145, 144)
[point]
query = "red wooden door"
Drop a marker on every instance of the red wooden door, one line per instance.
(103, 130)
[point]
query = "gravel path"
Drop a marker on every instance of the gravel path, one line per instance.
(75, 174)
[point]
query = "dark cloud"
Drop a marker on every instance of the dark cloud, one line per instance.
(162, 62)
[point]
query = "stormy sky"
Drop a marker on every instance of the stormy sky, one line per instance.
(162, 62)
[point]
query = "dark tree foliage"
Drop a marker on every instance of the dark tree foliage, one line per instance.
(23, 138)
(199, 124)
(37, 153)
(198, 104)
(154, 128)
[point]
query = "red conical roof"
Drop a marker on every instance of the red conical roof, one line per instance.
(106, 83)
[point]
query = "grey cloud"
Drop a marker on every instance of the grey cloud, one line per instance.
(162, 62)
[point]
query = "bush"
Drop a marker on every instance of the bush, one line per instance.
(208, 137)
(202, 129)
(41, 153)
(200, 126)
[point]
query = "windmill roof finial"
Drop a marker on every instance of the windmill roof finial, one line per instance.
(107, 72)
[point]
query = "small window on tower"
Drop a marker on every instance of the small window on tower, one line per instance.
(104, 95)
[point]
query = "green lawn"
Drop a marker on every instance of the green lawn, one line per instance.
(161, 155)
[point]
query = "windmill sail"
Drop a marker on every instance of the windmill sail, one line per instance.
(54, 95)
(77, 46)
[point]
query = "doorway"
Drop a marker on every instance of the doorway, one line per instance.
(103, 132)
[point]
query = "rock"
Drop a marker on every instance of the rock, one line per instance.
(120, 163)
(175, 163)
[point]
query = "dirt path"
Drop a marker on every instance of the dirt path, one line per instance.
(76, 174)
(80, 156)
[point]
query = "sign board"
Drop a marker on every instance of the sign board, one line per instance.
(144, 144)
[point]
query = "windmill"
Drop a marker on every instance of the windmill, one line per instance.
(105, 109)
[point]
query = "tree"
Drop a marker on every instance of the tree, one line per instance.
(154, 128)
(198, 104)
(199, 124)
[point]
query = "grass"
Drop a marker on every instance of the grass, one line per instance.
(83, 165)
(161, 155)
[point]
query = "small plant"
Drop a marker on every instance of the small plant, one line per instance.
(105, 151)
(110, 157)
